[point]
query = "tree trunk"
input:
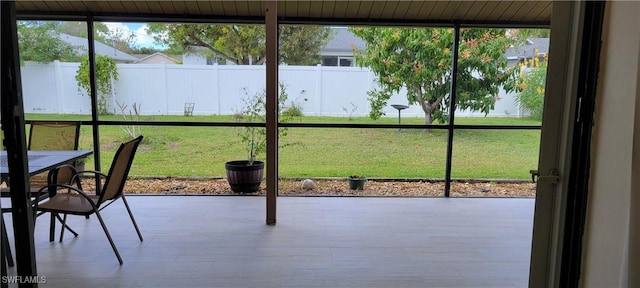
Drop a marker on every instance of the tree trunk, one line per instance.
(428, 107)
(428, 116)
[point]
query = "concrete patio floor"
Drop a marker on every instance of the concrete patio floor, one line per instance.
(218, 241)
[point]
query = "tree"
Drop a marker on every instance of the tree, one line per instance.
(106, 72)
(245, 44)
(79, 29)
(39, 41)
(419, 60)
(531, 96)
(121, 40)
(520, 38)
(144, 50)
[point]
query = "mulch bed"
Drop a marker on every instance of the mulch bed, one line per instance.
(332, 187)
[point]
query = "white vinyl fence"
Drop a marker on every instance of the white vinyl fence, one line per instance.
(163, 89)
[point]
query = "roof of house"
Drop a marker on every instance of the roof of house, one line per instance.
(101, 48)
(157, 54)
(526, 50)
(344, 40)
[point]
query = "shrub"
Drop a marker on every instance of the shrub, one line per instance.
(106, 72)
(294, 109)
(253, 111)
(531, 96)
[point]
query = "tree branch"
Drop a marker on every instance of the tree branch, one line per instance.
(197, 42)
(438, 102)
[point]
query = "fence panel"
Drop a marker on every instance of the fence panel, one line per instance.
(163, 89)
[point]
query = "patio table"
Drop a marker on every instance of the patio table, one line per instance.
(42, 160)
(38, 162)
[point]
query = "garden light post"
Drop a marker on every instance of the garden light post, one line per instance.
(400, 107)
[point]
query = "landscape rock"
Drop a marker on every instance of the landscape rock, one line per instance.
(308, 184)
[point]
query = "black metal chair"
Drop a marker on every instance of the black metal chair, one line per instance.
(64, 175)
(78, 202)
(45, 135)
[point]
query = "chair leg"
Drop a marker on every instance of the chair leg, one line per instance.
(132, 219)
(3, 284)
(52, 226)
(106, 232)
(6, 248)
(65, 226)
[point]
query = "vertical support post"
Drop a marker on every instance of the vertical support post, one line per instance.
(94, 100)
(452, 108)
(579, 183)
(271, 21)
(399, 111)
(14, 138)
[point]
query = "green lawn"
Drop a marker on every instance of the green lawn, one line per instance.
(328, 152)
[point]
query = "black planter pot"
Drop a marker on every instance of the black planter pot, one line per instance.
(356, 183)
(244, 178)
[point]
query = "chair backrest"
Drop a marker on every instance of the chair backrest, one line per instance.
(54, 135)
(117, 176)
(64, 174)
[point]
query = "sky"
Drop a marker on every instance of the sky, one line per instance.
(139, 31)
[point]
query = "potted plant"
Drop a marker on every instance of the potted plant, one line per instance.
(356, 182)
(245, 176)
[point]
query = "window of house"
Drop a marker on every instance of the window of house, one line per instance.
(346, 61)
(342, 61)
(329, 61)
(216, 60)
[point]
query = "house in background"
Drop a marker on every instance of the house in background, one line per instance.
(157, 58)
(339, 50)
(533, 47)
(197, 55)
(82, 46)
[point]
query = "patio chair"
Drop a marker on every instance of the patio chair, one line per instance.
(52, 135)
(63, 175)
(81, 203)
(46, 135)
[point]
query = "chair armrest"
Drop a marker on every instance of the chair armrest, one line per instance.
(94, 174)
